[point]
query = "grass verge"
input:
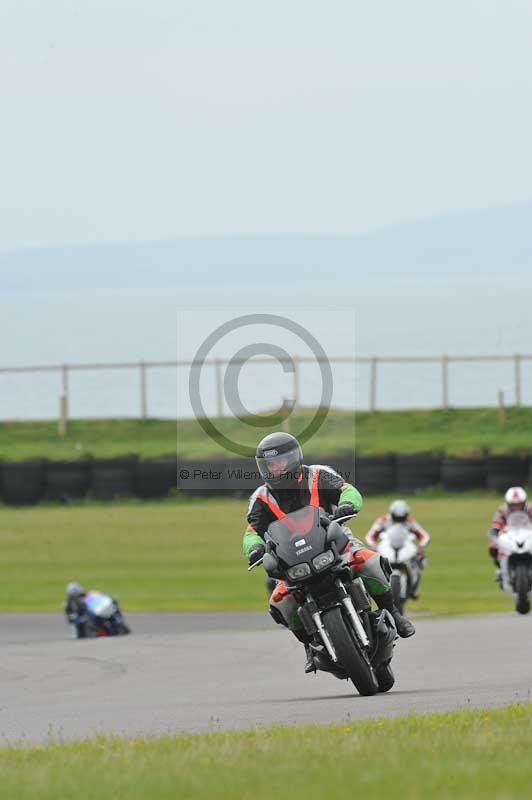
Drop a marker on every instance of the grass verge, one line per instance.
(186, 556)
(465, 754)
(453, 431)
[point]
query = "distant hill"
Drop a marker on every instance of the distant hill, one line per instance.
(481, 242)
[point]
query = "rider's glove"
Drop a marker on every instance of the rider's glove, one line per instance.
(255, 554)
(345, 510)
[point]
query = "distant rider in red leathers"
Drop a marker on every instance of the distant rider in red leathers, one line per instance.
(516, 499)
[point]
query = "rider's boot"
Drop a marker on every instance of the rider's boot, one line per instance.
(421, 562)
(404, 627)
(304, 638)
(495, 558)
(310, 665)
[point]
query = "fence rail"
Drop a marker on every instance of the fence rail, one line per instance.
(374, 362)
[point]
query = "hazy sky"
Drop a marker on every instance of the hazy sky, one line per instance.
(129, 120)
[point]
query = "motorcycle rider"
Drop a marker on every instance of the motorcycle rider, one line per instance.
(75, 607)
(399, 513)
(515, 499)
(289, 485)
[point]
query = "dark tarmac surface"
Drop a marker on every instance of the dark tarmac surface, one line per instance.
(211, 672)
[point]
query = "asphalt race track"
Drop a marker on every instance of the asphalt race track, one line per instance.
(212, 672)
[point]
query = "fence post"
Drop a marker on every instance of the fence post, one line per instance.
(517, 371)
(63, 402)
(373, 385)
(502, 410)
(445, 381)
(295, 400)
(219, 392)
(143, 391)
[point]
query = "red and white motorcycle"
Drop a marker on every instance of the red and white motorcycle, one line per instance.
(515, 559)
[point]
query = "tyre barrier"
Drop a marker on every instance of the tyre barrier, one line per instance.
(66, 480)
(459, 474)
(241, 477)
(417, 471)
(113, 477)
(155, 477)
(344, 464)
(231, 477)
(503, 471)
(22, 482)
(200, 478)
(375, 474)
(27, 482)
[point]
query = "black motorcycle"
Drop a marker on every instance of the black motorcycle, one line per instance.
(348, 639)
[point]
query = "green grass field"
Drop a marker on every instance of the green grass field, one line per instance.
(474, 755)
(456, 431)
(186, 555)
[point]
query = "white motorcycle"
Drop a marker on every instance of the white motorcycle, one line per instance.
(515, 559)
(400, 547)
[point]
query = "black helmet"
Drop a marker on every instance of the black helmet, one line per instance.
(279, 459)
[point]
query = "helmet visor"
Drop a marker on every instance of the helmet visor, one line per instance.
(399, 517)
(276, 467)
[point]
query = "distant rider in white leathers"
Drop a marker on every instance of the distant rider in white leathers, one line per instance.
(399, 513)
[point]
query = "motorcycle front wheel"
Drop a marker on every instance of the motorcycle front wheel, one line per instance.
(351, 657)
(521, 585)
(395, 585)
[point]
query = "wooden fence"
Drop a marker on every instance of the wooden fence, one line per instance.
(375, 363)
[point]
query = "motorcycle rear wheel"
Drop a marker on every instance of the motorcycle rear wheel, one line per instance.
(350, 655)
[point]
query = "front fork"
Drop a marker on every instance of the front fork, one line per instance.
(316, 618)
(355, 619)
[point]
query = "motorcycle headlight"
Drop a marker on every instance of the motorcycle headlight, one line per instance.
(298, 572)
(323, 560)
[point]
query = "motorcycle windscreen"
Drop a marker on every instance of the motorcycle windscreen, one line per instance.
(98, 604)
(298, 536)
(518, 519)
(398, 536)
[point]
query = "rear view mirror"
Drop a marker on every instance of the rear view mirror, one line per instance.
(271, 565)
(335, 533)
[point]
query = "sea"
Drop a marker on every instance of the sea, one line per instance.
(315, 320)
